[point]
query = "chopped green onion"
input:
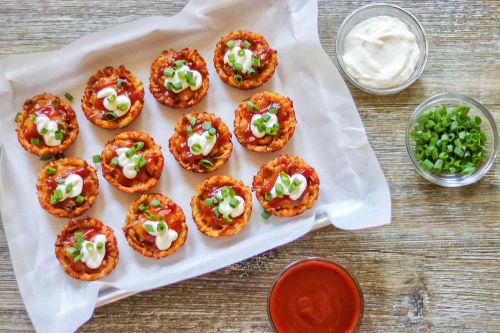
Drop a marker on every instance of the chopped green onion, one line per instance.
(35, 141)
(51, 171)
(255, 61)
(251, 72)
(32, 117)
(189, 131)
(96, 159)
(241, 53)
(59, 135)
(237, 66)
(139, 145)
(246, 44)
(280, 190)
(169, 72)
(148, 228)
(72, 251)
(161, 227)
(17, 117)
(227, 218)
(150, 215)
(44, 131)
(129, 153)
(268, 196)
(69, 188)
(119, 83)
(206, 125)
(100, 246)
(122, 107)
(115, 161)
(192, 120)
(170, 86)
(230, 44)
(265, 215)
(206, 163)
(225, 192)
(142, 207)
(189, 74)
(112, 98)
(54, 103)
(60, 181)
(191, 81)
(110, 115)
(252, 107)
(196, 148)
(80, 199)
(179, 63)
(177, 86)
(208, 202)
(285, 178)
(234, 202)
(155, 203)
(231, 58)
(238, 79)
(212, 131)
(216, 211)
(139, 162)
(266, 117)
(182, 75)
(68, 97)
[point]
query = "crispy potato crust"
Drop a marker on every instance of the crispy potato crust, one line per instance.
(179, 148)
(265, 101)
(47, 183)
(89, 226)
(93, 108)
(187, 97)
(148, 175)
(206, 221)
(260, 48)
(264, 181)
(137, 236)
(55, 109)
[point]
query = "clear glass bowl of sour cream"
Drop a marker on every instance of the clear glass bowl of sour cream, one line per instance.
(381, 48)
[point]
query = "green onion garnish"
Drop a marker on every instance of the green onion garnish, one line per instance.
(230, 44)
(246, 44)
(111, 98)
(54, 103)
(225, 192)
(151, 216)
(44, 131)
(206, 163)
(139, 162)
(96, 159)
(155, 203)
(170, 86)
(177, 86)
(227, 218)
(69, 188)
(231, 58)
(196, 148)
(265, 215)
(17, 117)
(68, 97)
(179, 63)
(129, 153)
(100, 246)
(285, 178)
(189, 130)
(80, 199)
(252, 107)
(268, 196)
(273, 110)
(255, 61)
(212, 131)
(237, 67)
(280, 190)
(60, 181)
(114, 161)
(139, 145)
(192, 120)
(142, 207)
(208, 202)
(119, 83)
(110, 115)
(169, 72)
(216, 211)
(161, 227)
(234, 202)
(206, 125)
(148, 228)
(266, 117)
(238, 79)
(51, 171)
(241, 53)
(32, 117)
(191, 81)
(59, 135)
(122, 107)
(35, 141)
(182, 75)
(251, 72)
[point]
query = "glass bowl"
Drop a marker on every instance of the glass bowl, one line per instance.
(379, 9)
(329, 262)
(487, 125)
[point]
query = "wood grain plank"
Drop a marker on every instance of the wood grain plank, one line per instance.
(435, 268)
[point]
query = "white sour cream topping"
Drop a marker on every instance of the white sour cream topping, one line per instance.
(44, 123)
(92, 256)
(245, 61)
(119, 104)
(381, 52)
(127, 163)
(176, 79)
(225, 208)
(205, 140)
(163, 239)
(270, 123)
(298, 190)
(76, 187)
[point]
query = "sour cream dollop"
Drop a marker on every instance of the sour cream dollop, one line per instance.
(226, 208)
(273, 120)
(47, 128)
(114, 103)
(245, 60)
(127, 163)
(94, 252)
(74, 183)
(197, 79)
(164, 238)
(297, 192)
(205, 140)
(381, 52)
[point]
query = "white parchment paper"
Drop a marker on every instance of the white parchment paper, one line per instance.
(329, 136)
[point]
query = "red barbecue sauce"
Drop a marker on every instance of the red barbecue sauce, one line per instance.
(315, 296)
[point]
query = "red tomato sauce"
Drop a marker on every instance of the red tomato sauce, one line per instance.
(315, 296)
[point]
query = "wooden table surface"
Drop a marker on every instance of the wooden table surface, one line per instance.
(435, 268)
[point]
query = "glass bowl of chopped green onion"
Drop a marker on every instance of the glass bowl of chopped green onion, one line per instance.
(452, 140)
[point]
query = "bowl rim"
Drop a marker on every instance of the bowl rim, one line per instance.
(467, 179)
(382, 91)
(313, 258)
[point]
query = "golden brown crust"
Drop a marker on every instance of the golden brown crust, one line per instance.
(187, 97)
(260, 48)
(89, 226)
(170, 212)
(265, 101)
(108, 77)
(47, 183)
(56, 109)
(218, 156)
(148, 175)
(264, 181)
(206, 220)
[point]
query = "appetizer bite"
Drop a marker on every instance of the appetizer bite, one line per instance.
(155, 226)
(265, 122)
(179, 79)
(113, 98)
(67, 187)
(244, 59)
(132, 162)
(201, 142)
(221, 206)
(47, 125)
(87, 249)
(286, 186)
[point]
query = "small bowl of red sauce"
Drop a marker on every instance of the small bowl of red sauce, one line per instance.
(315, 295)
